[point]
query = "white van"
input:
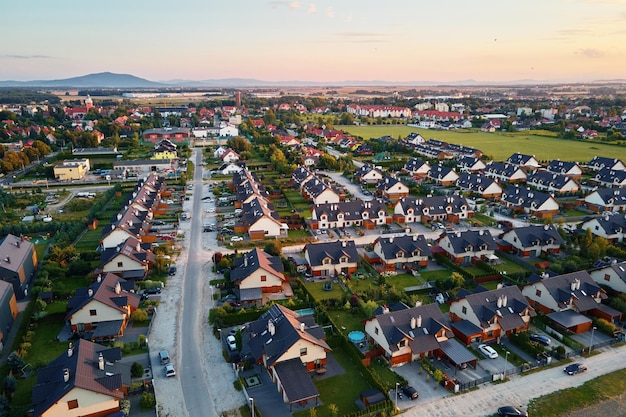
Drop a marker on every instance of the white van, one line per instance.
(164, 357)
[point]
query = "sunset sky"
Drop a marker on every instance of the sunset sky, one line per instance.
(397, 40)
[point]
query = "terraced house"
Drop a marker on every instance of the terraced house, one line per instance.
(450, 208)
(349, 213)
(397, 253)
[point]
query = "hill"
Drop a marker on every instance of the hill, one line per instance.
(99, 80)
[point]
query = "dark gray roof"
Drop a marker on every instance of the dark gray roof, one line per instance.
(548, 179)
(537, 235)
(414, 164)
(610, 224)
(610, 176)
(524, 197)
(386, 183)
(577, 285)
(519, 159)
(466, 327)
(439, 172)
(456, 352)
(278, 329)
(408, 244)
(474, 182)
(501, 169)
(501, 302)
(245, 265)
(451, 204)
(612, 196)
(599, 162)
(351, 210)
(568, 318)
(561, 167)
(14, 251)
(296, 381)
(475, 240)
(317, 252)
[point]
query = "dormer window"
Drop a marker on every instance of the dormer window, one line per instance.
(343, 259)
(326, 261)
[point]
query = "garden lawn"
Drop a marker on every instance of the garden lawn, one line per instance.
(317, 290)
(298, 233)
(500, 146)
(90, 240)
(346, 321)
(402, 281)
(436, 275)
(341, 390)
(44, 345)
(509, 267)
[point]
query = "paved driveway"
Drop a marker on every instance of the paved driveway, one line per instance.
(518, 391)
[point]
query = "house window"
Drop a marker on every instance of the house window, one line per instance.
(71, 404)
(120, 264)
(326, 261)
(263, 278)
(402, 343)
(538, 293)
(303, 351)
(343, 260)
(607, 277)
(92, 312)
(464, 310)
(375, 330)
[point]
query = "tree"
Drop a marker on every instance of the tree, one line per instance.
(139, 315)
(9, 385)
(16, 363)
(273, 247)
(136, 370)
(147, 400)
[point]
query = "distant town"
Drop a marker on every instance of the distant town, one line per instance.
(347, 251)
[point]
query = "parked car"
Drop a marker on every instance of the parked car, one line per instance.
(488, 351)
(229, 224)
(169, 370)
(540, 338)
(229, 297)
(510, 411)
(236, 239)
(575, 368)
(153, 290)
(172, 270)
(211, 210)
(410, 392)
(232, 343)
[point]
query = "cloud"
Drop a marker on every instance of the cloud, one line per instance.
(15, 56)
(330, 12)
(294, 5)
(311, 9)
(363, 37)
(591, 53)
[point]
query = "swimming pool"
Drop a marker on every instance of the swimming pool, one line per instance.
(305, 311)
(356, 336)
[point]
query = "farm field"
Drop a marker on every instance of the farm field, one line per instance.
(500, 146)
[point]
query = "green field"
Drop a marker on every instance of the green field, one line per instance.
(499, 146)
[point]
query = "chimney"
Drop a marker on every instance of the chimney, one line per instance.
(419, 321)
(344, 243)
(391, 239)
(66, 375)
(17, 243)
(504, 300)
(90, 292)
(99, 278)
(118, 288)
(70, 350)
(414, 238)
(271, 328)
(573, 285)
(245, 260)
(7, 260)
(413, 322)
(302, 327)
(499, 301)
(100, 361)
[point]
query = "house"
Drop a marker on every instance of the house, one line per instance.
(289, 346)
(18, 263)
(443, 175)
(525, 200)
(130, 223)
(601, 162)
(260, 220)
(607, 177)
(73, 169)
(452, 208)
(505, 172)
(413, 334)
(231, 168)
(176, 135)
(414, 139)
(219, 152)
(8, 311)
(463, 247)
(382, 157)
(301, 175)
(470, 164)
(131, 260)
(402, 252)
(570, 169)
(230, 156)
(612, 276)
(391, 188)
(87, 380)
(368, 174)
(349, 213)
(328, 259)
(416, 168)
(101, 311)
(612, 228)
(319, 191)
(551, 182)
(534, 240)
(522, 160)
(500, 312)
(257, 275)
(479, 184)
(569, 299)
(606, 199)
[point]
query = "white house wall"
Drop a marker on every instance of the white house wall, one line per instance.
(89, 402)
(103, 313)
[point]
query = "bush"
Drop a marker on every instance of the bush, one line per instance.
(125, 407)
(139, 315)
(147, 400)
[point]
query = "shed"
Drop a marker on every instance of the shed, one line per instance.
(372, 396)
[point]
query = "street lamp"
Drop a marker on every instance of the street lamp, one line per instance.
(397, 384)
(251, 405)
(591, 342)
(506, 361)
